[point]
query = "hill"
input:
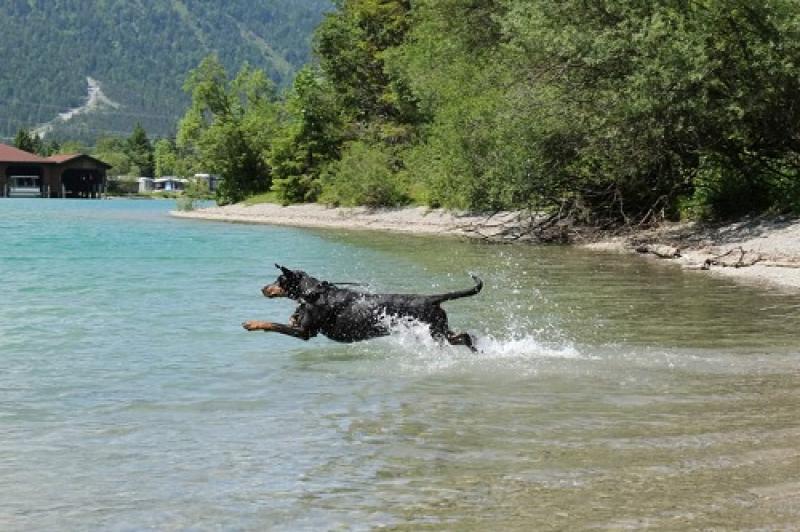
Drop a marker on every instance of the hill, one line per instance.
(106, 64)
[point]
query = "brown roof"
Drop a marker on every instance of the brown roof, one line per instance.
(10, 154)
(63, 157)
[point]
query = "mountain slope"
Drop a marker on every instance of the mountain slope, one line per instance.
(139, 52)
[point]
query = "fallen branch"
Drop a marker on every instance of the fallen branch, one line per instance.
(740, 262)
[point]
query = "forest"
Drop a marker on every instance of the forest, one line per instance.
(139, 51)
(605, 112)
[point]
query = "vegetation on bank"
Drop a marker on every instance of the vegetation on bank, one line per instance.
(621, 111)
(602, 112)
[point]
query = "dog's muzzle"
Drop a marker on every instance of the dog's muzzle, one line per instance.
(273, 290)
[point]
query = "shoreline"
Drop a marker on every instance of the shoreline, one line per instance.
(410, 220)
(761, 251)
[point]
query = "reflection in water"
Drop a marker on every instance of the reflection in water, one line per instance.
(608, 392)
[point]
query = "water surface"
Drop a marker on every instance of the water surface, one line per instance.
(610, 392)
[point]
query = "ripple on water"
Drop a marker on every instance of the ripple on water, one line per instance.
(605, 393)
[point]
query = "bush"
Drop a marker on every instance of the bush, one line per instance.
(722, 192)
(365, 175)
(184, 203)
(619, 107)
(196, 190)
(296, 188)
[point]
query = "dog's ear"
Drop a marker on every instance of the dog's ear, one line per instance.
(286, 271)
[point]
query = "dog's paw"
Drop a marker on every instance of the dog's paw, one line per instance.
(251, 325)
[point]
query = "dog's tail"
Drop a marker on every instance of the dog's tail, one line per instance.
(460, 293)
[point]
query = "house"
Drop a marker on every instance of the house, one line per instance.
(76, 175)
(172, 183)
(145, 184)
(169, 184)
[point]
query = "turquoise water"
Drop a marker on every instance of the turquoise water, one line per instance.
(609, 393)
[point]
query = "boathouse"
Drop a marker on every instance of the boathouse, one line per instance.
(24, 174)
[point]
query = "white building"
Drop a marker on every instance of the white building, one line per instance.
(169, 184)
(145, 184)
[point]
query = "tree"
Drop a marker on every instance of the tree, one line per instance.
(29, 141)
(114, 151)
(614, 111)
(352, 45)
(228, 127)
(140, 151)
(165, 156)
(309, 138)
(51, 147)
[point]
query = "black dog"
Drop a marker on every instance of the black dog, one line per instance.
(347, 315)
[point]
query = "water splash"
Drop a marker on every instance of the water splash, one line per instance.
(411, 346)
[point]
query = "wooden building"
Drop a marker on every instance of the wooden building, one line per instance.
(24, 174)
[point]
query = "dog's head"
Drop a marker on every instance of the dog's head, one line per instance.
(290, 283)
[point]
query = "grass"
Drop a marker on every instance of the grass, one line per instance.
(266, 197)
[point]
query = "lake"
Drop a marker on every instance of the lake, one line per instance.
(610, 392)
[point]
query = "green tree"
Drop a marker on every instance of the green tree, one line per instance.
(228, 127)
(365, 175)
(617, 111)
(358, 47)
(353, 45)
(453, 63)
(27, 141)
(140, 151)
(50, 147)
(113, 151)
(309, 138)
(165, 157)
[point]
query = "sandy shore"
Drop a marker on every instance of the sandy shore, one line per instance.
(758, 251)
(415, 220)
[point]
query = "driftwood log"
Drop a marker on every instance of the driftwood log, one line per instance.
(733, 258)
(659, 250)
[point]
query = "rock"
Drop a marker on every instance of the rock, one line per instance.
(659, 250)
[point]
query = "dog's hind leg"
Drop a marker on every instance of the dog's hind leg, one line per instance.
(462, 339)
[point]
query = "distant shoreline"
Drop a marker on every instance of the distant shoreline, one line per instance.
(411, 220)
(761, 251)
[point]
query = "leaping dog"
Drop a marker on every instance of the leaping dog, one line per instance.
(346, 315)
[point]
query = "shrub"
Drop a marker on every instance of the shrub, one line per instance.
(184, 203)
(365, 175)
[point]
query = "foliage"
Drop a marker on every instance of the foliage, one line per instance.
(113, 151)
(131, 156)
(30, 141)
(613, 112)
(364, 176)
(139, 52)
(309, 138)
(165, 158)
(228, 128)
(618, 109)
(196, 190)
(26, 141)
(352, 45)
(140, 151)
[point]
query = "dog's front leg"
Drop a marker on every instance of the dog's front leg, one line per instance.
(296, 332)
